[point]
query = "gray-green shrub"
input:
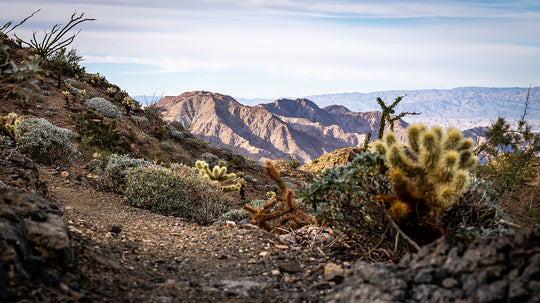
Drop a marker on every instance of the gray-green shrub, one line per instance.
(344, 196)
(105, 107)
(46, 142)
(176, 191)
(117, 166)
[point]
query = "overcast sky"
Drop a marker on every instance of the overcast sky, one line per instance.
(270, 49)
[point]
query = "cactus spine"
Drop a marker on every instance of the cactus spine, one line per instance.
(219, 175)
(429, 174)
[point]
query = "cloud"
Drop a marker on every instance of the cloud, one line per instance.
(422, 44)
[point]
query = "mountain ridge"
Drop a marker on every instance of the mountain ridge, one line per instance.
(465, 107)
(278, 129)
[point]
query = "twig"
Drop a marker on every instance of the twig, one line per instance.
(396, 228)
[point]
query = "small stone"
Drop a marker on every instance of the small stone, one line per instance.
(249, 226)
(287, 239)
(449, 283)
(279, 246)
(263, 253)
(292, 267)
(275, 272)
(252, 261)
(230, 224)
(288, 278)
(333, 272)
(114, 228)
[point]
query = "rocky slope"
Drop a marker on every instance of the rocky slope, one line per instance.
(274, 130)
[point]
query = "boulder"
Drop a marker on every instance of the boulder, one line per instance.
(19, 171)
(502, 269)
(35, 244)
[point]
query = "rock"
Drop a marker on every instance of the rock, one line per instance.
(114, 228)
(503, 269)
(333, 272)
(287, 239)
(292, 267)
(35, 244)
(19, 171)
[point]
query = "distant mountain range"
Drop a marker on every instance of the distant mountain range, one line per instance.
(272, 130)
(464, 107)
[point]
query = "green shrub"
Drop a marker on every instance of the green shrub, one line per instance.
(99, 135)
(45, 142)
(116, 169)
(344, 196)
(105, 107)
(166, 146)
(176, 191)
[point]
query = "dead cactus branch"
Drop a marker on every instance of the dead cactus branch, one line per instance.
(287, 212)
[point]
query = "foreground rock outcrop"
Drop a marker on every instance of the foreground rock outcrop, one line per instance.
(504, 269)
(35, 244)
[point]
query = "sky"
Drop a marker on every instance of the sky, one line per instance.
(293, 48)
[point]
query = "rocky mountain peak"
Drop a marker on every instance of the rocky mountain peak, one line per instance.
(272, 130)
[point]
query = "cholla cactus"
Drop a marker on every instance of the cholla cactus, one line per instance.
(82, 92)
(219, 175)
(9, 124)
(111, 91)
(66, 95)
(128, 103)
(428, 175)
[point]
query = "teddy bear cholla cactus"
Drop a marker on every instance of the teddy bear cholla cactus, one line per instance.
(9, 124)
(428, 175)
(219, 175)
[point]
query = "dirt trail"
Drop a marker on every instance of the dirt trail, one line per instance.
(130, 254)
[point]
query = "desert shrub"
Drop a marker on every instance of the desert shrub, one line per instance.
(6, 141)
(192, 142)
(64, 63)
(177, 125)
(177, 191)
(141, 122)
(92, 95)
(45, 142)
(174, 132)
(46, 93)
(166, 146)
(187, 134)
(105, 107)
(117, 166)
(477, 214)
(17, 80)
(291, 162)
(96, 165)
(99, 135)
(344, 196)
(51, 111)
(210, 158)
